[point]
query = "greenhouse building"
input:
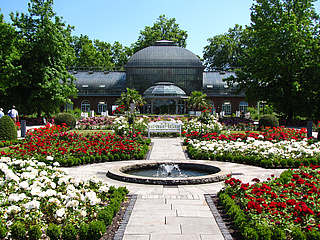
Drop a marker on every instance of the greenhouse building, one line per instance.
(165, 75)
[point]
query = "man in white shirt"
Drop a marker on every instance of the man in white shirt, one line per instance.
(13, 113)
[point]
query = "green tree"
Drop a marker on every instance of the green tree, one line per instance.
(163, 29)
(44, 83)
(9, 54)
(281, 64)
(100, 54)
(225, 50)
(198, 101)
(120, 55)
(130, 96)
(104, 54)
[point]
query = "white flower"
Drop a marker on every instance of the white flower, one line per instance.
(54, 200)
(49, 158)
(13, 209)
(14, 197)
(43, 173)
(60, 213)
(83, 213)
(36, 191)
(72, 203)
(103, 189)
(92, 197)
(31, 205)
(41, 164)
(24, 185)
(53, 185)
(56, 164)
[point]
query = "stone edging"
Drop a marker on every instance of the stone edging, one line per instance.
(216, 174)
(222, 226)
(124, 222)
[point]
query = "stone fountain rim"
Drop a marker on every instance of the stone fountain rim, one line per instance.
(118, 174)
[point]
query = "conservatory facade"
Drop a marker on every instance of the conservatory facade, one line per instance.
(165, 75)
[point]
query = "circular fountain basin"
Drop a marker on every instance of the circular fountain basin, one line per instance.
(135, 173)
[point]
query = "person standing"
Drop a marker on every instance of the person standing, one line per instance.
(13, 113)
(1, 113)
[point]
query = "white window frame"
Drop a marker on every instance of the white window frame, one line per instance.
(85, 106)
(226, 107)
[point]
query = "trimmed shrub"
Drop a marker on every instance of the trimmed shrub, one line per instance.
(53, 231)
(264, 232)
(106, 215)
(313, 235)
(34, 232)
(69, 232)
(96, 230)
(290, 162)
(278, 233)
(283, 162)
(297, 234)
(250, 234)
(66, 118)
(268, 120)
(8, 130)
(83, 231)
(18, 231)
(3, 231)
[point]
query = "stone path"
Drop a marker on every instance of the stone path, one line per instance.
(171, 212)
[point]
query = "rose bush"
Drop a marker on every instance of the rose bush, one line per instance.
(33, 193)
(270, 148)
(71, 148)
(95, 123)
(289, 203)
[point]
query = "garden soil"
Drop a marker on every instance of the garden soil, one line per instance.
(236, 235)
(112, 229)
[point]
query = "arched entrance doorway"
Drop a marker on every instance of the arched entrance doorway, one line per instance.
(165, 97)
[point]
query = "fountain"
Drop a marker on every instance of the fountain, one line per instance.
(168, 173)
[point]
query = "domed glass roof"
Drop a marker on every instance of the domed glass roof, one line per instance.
(164, 54)
(164, 89)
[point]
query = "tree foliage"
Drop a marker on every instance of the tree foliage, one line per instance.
(99, 53)
(163, 29)
(43, 84)
(198, 101)
(130, 96)
(281, 63)
(225, 50)
(9, 54)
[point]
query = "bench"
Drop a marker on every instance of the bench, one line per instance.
(163, 127)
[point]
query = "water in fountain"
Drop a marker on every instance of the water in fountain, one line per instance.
(169, 170)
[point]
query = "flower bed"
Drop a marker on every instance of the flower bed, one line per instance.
(283, 208)
(237, 123)
(71, 148)
(36, 198)
(270, 148)
(95, 123)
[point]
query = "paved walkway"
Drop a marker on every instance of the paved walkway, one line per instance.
(171, 212)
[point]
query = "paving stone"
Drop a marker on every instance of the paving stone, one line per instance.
(155, 229)
(136, 237)
(175, 237)
(152, 217)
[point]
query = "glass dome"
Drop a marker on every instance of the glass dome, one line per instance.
(164, 89)
(164, 54)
